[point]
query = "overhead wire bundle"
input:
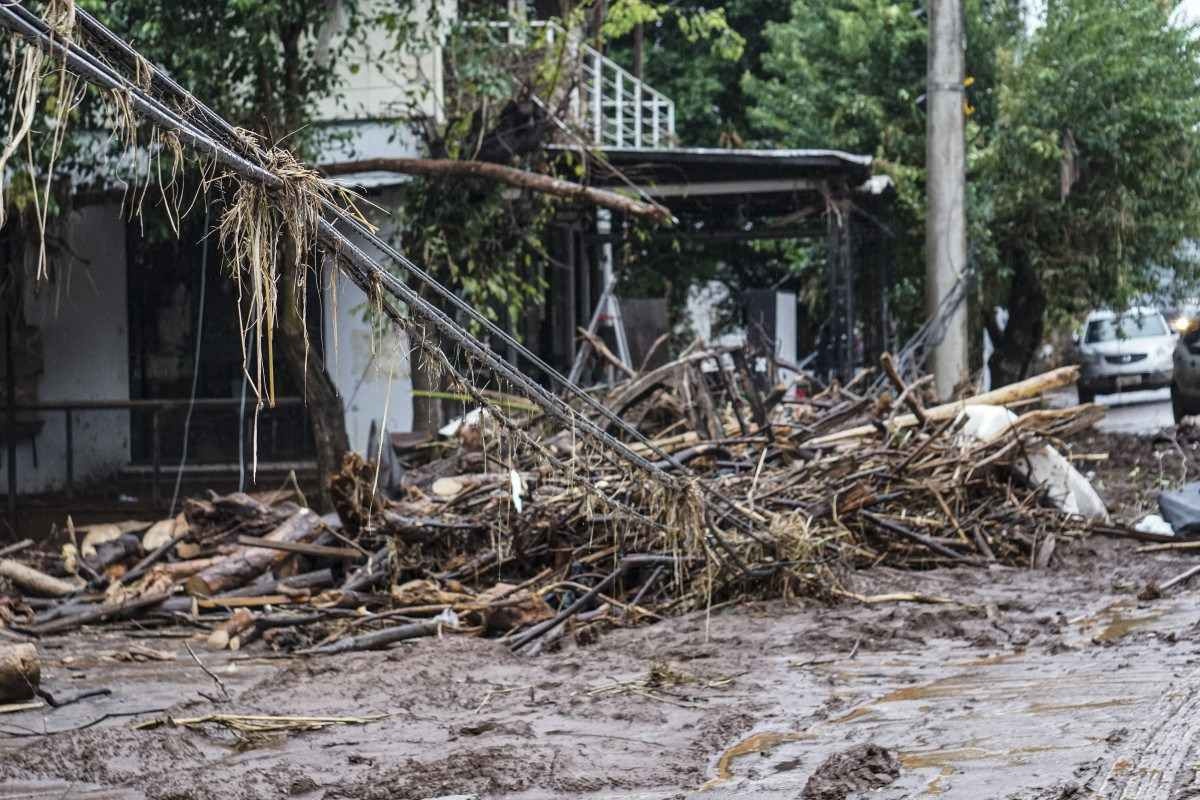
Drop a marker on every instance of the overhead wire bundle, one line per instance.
(276, 196)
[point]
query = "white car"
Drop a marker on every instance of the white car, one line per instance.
(1129, 351)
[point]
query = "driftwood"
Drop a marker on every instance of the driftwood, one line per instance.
(315, 550)
(15, 547)
(376, 640)
(115, 551)
(20, 672)
(1005, 395)
(247, 563)
(35, 581)
(102, 613)
(747, 496)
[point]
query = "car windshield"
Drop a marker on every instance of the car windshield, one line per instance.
(1131, 327)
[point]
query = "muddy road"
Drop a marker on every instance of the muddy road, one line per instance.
(1024, 684)
(1030, 685)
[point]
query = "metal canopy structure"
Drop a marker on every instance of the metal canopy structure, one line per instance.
(813, 195)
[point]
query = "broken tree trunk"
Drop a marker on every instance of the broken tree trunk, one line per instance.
(1031, 387)
(247, 563)
(36, 582)
(20, 672)
(522, 179)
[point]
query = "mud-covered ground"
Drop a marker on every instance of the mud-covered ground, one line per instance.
(1029, 684)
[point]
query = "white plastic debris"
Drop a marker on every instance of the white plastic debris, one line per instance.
(984, 423)
(1065, 487)
(1153, 523)
(473, 417)
(448, 617)
(518, 489)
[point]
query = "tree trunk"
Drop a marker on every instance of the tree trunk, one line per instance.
(639, 51)
(302, 359)
(1017, 345)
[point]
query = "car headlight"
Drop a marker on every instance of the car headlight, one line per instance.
(1182, 324)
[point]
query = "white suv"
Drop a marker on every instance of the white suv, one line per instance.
(1129, 351)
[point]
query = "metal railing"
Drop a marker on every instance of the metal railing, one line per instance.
(611, 107)
(156, 409)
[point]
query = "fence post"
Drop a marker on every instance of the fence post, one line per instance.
(620, 109)
(597, 103)
(637, 114)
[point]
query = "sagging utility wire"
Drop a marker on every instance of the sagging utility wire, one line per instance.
(370, 275)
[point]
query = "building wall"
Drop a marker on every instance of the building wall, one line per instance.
(377, 82)
(82, 315)
(365, 359)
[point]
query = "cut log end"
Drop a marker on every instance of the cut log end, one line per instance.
(20, 672)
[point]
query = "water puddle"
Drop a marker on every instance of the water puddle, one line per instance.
(858, 713)
(936, 786)
(1051, 708)
(949, 757)
(1119, 625)
(758, 744)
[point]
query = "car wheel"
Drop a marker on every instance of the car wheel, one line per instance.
(1086, 395)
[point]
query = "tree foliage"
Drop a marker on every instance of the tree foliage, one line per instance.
(1095, 152)
(1081, 137)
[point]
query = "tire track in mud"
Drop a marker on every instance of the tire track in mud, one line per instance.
(1149, 766)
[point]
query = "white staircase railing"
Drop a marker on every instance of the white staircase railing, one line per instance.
(611, 107)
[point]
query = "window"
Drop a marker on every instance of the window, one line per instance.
(1131, 327)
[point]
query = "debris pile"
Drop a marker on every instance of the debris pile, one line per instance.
(753, 486)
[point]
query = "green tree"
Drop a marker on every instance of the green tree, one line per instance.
(1092, 168)
(1080, 142)
(850, 74)
(266, 66)
(702, 74)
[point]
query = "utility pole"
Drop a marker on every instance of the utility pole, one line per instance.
(945, 223)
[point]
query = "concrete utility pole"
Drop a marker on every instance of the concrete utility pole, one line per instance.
(945, 224)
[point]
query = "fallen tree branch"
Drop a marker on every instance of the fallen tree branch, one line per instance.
(522, 179)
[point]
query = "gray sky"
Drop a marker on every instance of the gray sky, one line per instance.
(1189, 11)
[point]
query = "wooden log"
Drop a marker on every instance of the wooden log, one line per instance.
(33, 580)
(114, 551)
(16, 547)
(270, 584)
(1005, 395)
(20, 672)
(313, 550)
(102, 613)
(178, 570)
(376, 640)
(247, 563)
(219, 639)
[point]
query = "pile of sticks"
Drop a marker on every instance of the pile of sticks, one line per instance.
(763, 485)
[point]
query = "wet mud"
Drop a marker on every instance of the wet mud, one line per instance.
(1028, 685)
